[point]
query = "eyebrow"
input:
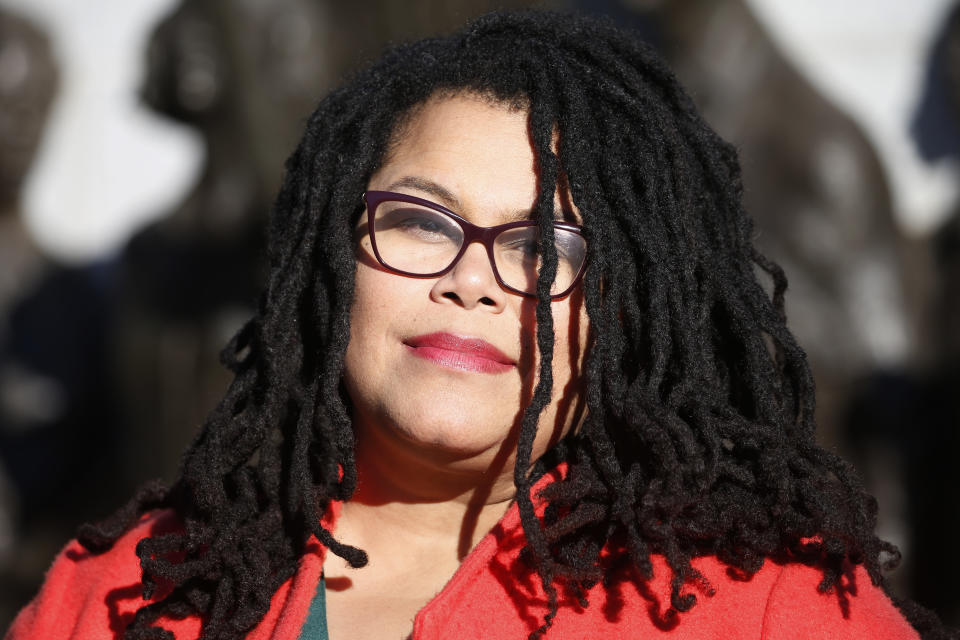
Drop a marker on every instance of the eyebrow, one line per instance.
(452, 202)
(428, 186)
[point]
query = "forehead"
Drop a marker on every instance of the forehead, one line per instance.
(476, 151)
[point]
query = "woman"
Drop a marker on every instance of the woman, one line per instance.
(512, 290)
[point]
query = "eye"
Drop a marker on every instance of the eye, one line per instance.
(523, 247)
(420, 224)
(522, 244)
(417, 223)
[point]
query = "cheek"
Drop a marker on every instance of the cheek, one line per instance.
(368, 328)
(568, 403)
(572, 329)
(378, 298)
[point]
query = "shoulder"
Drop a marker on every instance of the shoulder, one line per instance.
(853, 608)
(779, 602)
(782, 602)
(87, 595)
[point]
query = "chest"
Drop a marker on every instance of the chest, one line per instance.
(382, 599)
(370, 615)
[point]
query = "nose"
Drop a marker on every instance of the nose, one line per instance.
(471, 282)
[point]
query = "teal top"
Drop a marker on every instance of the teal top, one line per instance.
(315, 628)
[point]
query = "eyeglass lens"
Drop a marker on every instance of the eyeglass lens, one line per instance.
(419, 240)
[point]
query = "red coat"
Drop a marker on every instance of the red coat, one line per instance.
(493, 595)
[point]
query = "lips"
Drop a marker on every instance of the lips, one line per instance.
(456, 352)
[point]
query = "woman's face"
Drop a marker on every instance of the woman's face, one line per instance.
(419, 368)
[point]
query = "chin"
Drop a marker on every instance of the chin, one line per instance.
(456, 436)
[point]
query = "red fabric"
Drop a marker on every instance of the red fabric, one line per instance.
(492, 596)
(94, 597)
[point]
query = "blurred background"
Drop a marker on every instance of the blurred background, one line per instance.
(141, 144)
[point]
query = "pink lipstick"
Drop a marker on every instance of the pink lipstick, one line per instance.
(455, 352)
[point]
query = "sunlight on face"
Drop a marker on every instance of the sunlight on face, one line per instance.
(415, 364)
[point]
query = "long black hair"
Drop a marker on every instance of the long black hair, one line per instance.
(699, 433)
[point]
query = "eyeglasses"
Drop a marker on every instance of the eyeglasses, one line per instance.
(415, 237)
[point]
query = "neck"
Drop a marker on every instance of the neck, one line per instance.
(415, 503)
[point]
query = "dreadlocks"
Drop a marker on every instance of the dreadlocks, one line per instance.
(699, 435)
